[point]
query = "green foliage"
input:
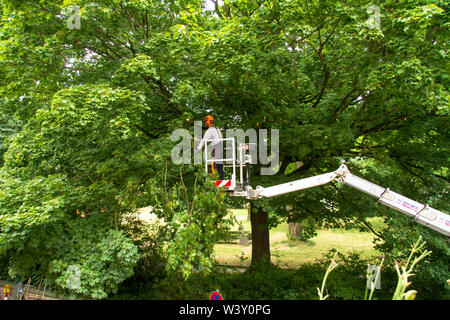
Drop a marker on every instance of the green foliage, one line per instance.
(65, 185)
(4, 266)
(330, 268)
(196, 219)
(404, 271)
(8, 128)
(267, 282)
(148, 236)
(105, 259)
(433, 272)
(347, 281)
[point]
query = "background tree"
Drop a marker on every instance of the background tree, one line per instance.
(92, 147)
(338, 89)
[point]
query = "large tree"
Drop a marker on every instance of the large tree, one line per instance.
(98, 106)
(341, 80)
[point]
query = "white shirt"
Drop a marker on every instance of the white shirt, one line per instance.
(211, 134)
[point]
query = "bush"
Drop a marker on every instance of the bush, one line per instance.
(149, 239)
(265, 283)
(348, 280)
(268, 282)
(4, 266)
(151, 266)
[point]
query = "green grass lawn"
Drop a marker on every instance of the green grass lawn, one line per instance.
(293, 253)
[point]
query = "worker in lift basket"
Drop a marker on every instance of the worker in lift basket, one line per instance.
(216, 146)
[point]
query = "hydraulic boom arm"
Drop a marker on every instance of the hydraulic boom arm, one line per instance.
(420, 213)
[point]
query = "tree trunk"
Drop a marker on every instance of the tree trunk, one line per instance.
(295, 230)
(260, 235)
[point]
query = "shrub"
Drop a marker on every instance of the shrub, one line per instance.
(151, 266)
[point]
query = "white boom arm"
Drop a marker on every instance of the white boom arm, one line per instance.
(420, 213)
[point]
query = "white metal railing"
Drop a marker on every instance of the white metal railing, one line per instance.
(224, 160)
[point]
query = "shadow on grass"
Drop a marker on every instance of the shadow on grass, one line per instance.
(296, 243)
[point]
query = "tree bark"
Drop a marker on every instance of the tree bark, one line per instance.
(295, 230)
(260, 235)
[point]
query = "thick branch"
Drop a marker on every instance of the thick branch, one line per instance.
(365, 223)
(155, 90)
(148, 134)
(326, 76)
(331, 33)
(216, 8)
(342, 104)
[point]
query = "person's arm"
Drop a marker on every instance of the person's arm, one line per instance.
(202, 142)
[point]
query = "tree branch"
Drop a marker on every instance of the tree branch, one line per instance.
(350, 204)
(342, 104)
(331, 33)
(216, 8)
(148, 134)
(326, 75)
